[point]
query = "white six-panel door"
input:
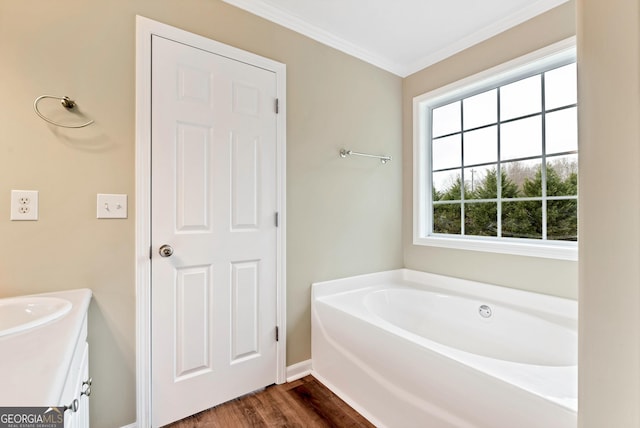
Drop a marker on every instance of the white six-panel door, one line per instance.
(213, 202)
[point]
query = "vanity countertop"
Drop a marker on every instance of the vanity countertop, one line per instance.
(34, 363)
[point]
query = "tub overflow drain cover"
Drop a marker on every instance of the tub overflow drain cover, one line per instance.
(485, 311)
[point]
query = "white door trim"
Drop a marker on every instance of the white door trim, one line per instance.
(145, 28)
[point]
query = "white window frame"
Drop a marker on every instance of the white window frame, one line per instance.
(538, 61)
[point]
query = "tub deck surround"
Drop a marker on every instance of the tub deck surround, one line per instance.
(34, 364)
(401, 346)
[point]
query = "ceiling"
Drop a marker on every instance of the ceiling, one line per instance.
(400, 36)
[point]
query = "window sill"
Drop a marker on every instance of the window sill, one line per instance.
(543, 249)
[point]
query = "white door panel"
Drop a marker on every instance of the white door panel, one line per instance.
(214, 202)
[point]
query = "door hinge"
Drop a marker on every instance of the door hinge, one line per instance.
(150, 253)
(277, 219)
(277, 106)
(277, 333)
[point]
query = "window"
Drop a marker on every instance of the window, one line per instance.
(496, 159)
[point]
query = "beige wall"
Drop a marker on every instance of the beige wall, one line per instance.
(609, 112)
(535, 274)
(344, 215)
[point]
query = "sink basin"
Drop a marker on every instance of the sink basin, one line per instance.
(23, 313)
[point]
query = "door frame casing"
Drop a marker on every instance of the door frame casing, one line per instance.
(145, 29)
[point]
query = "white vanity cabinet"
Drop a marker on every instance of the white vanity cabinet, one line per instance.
(77, 386)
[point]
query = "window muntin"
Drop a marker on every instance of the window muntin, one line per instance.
(522, 129)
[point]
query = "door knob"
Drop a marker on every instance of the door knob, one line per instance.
(165, 251)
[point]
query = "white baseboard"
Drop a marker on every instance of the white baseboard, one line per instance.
(133, 425)
(298, 370)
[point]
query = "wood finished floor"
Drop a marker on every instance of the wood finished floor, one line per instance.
(301, 403)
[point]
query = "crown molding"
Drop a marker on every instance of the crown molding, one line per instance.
(483, 34)
(285, 19)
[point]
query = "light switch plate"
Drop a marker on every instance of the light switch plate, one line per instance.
(111, 206)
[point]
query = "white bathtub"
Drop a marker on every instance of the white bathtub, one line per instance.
(412, 349)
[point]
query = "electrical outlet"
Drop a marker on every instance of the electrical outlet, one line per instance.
(24, 205)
